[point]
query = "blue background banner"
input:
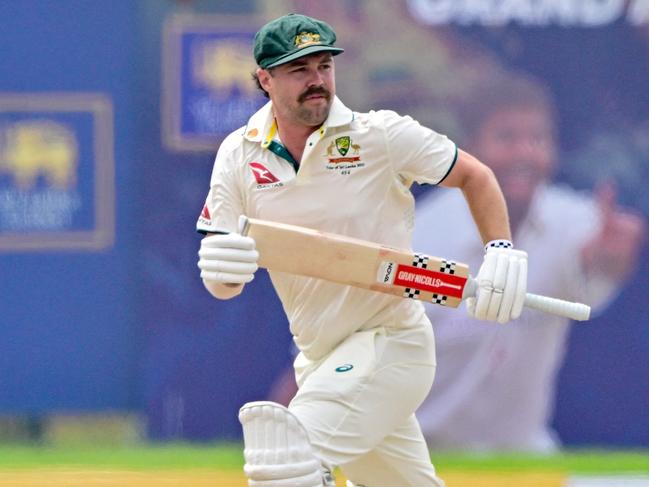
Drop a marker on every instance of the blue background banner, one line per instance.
(68, 317)
(56, 171)
(207, 72)
(107, 312)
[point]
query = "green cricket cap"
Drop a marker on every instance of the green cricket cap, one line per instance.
(290, 37)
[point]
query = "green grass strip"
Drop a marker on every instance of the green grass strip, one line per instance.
(145, 457)
(569, 461)
(230, 457)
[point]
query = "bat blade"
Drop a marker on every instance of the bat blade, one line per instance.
(354, 262)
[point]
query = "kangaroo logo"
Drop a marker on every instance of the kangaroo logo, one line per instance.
(262, 175)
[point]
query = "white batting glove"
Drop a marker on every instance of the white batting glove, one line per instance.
(502, 284)
(228, 259)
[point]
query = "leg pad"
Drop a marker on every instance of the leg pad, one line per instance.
(277, 449)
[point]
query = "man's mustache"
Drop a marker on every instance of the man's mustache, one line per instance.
(314, 91)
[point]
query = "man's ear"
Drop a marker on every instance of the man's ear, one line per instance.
(264, 75)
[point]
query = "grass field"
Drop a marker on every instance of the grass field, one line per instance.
(220, 465)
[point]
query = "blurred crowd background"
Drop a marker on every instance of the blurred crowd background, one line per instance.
(110, 115)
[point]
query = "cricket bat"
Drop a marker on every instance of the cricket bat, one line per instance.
(369, 265)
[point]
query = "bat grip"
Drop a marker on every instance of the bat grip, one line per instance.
(244, 225)
(559, 307)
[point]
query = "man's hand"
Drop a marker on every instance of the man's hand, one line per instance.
(228, 259)
(615, 250)
(502, 284)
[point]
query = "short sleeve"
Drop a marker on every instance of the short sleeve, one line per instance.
(223, 204)
(417, 152)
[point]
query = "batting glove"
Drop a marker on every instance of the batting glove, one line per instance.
(502, 284)
(228, 259)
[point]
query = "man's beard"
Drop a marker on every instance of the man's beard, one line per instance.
(315, 115)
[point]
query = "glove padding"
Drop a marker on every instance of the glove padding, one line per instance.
(502, 284)
(228, 259)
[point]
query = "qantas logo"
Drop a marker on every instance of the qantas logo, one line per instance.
(262, 175)
(206, 213)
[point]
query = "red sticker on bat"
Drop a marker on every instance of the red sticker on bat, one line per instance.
(429, 280)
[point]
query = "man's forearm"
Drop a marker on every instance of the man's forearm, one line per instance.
(487, 204)
(483, 195)
(488, 207)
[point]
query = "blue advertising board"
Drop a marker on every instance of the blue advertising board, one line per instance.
(207, 79)
(68, 213)
(56, 172)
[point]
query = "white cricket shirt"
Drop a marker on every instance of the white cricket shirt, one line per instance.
(353, 179)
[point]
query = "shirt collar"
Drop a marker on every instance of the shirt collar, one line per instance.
(261, 126)
(260, 123)
(339, 115)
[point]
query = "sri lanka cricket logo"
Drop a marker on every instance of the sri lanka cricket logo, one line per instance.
(223, 67)
(56, 171)
(343, 145)
(31, 149)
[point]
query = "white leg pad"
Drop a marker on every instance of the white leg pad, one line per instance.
(277, 449)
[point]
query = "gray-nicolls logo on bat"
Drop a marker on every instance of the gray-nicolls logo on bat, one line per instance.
(388, 272)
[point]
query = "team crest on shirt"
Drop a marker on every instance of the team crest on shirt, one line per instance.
(343, 155)
(342, 144)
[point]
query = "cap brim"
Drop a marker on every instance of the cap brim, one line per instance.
(304, 52)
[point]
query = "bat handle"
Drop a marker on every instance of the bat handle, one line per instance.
(243, 225)
(559, 307)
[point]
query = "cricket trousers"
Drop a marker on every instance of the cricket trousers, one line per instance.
(358, 402)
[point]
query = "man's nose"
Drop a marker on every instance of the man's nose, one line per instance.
(526, 146)
(315, 78)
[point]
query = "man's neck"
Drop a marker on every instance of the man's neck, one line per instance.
(294, 137)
